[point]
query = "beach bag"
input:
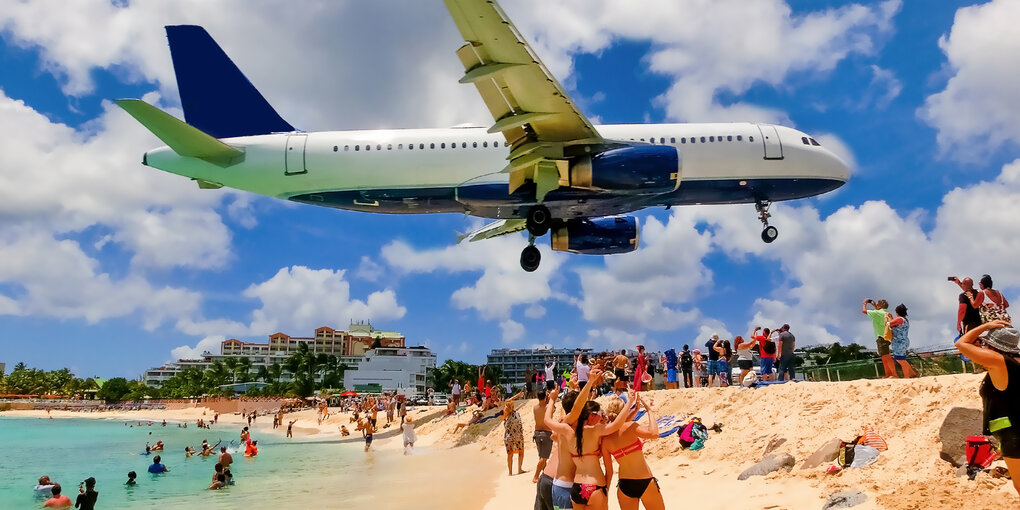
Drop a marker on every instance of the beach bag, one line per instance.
(887, 335)
(770, 346)
(686, 359)
(992, 311)
(872, 439)
(845, 454)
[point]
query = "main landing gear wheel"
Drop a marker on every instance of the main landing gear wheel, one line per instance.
(770, 233)
(538, 220)
(530, 258)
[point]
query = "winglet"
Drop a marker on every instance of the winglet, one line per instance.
(185, 140)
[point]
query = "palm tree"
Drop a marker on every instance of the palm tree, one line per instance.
(217, 373)
(231, 365)
(243, 367)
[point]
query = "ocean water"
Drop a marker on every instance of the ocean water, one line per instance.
(286, 472)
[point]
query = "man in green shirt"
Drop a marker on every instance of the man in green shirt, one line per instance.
(878, 318)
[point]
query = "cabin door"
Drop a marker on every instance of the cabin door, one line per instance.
(295, 161)
(770, 139)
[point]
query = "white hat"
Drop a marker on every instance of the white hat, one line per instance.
(1003, 340)
(715, 336)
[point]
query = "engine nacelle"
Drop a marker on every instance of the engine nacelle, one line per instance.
(597, 236)
(639, 169)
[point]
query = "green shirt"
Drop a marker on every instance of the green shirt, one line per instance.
(878, 321)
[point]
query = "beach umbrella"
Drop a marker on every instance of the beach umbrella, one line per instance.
(348, 394)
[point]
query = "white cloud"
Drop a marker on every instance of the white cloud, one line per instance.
(885, 87)
(512, 330)
(300, 299)
(209, 344)
(502, 284)
(369, 269)
(535, 311)
(976, 112)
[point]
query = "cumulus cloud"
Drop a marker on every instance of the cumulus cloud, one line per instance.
(976, 111)
(209, 344)
(512, 331)
(300, 299)
(502, 285)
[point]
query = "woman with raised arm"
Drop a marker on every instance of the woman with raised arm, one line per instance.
(584, 439)
(626, 446)
(994, 345)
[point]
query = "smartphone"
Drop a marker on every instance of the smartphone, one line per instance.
(951, 278)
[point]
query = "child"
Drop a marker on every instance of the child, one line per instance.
(409, 435)
(131, 478)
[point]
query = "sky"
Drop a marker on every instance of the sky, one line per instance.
(108, 267)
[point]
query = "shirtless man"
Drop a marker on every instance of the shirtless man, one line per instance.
(225, 458)
(554, 494)
(290, 428)
(543, 436)
(368, 428)
(620, 365)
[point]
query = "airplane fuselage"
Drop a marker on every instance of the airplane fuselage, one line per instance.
(462, 169)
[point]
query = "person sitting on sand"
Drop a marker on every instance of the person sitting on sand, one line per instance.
(343, 431)
(131, 478)
(626, 447)
(996, 346)
(513, 434)
(58, 500)
(156, 467)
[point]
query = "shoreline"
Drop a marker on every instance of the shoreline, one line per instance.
(799, 417)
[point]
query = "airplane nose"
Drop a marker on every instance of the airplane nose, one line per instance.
(838, 168)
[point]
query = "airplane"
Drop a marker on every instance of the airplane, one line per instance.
(542, 167)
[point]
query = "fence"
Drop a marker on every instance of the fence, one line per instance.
(939, 362)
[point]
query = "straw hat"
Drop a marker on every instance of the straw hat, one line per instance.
(1004, 340)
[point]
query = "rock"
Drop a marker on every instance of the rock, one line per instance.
(959, 423)
(845, 499)
(827, 453)
(774, 462)
(773, 445)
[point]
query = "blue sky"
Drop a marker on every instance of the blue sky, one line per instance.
(109, 267)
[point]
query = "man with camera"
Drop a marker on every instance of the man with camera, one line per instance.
(878, 318)
(967, 315)
(87, 495)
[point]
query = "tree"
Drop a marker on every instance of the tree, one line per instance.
(231, 366)
(242, 369)
(114, 390)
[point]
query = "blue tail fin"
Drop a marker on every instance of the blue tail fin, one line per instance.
(216, 96)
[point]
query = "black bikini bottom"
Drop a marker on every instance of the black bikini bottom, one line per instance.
(580, 493)
(635, 487)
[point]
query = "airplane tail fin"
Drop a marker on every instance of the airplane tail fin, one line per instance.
(217, 98)
(183, 139)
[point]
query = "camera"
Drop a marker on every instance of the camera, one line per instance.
(951, 278)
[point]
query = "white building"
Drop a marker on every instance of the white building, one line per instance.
(401, 369)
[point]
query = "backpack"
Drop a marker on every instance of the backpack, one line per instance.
(770, 346)
(686, 359)
(845, 455)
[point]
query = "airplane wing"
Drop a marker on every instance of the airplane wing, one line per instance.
(494, 229)
(529, 105)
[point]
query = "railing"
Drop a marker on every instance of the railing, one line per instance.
(925, 363)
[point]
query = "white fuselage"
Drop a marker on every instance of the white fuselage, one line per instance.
(289, 165)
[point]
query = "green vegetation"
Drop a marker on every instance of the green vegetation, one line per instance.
(443, 375)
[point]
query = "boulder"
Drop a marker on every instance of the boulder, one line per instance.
(845, 499)
(959, 423)
(824, 455)
(773, 462)
(773, 445)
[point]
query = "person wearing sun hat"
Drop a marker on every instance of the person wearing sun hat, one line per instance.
(996, 346)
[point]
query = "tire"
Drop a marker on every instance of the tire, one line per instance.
(530, 258)
(769, 234)
(538, 220)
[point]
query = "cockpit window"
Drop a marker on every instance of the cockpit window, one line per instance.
(804, 139)
(815, 142)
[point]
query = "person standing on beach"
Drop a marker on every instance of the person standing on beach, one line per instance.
(542, 437)
(561, 465)
(787, 342)
(669, 358)
(878, 317)
(996, 346)
(640, 370)
(745, 359)
(550, 375)
(900, 342)
(687, 366)
(582, 368)
(990, 303)
(636, 479)
(455, 392)
(87, 495)
(713, 358)
(367, 430)
(513, 435)
(766, 350)
(290, 428)
(967, 315)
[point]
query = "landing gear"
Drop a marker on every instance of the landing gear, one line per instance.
(770, 233)
(538, 220)
(530, 257)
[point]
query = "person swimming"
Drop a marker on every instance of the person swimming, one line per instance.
(251, 449)
(45, 487)
(131, 478)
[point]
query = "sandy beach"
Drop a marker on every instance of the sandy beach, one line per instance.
(793, 418)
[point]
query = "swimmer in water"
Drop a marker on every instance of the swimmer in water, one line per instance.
(252, 449)
(131, 478)
(188, 452)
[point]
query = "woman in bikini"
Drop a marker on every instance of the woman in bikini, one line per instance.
(635, 485)
(590, 489)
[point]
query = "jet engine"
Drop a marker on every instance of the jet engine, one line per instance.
(597, 236)
(639, 169)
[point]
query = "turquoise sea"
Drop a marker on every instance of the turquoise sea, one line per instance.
(287, 473)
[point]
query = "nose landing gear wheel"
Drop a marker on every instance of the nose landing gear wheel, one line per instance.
(769, 234)
(530, 258)
(538, 220)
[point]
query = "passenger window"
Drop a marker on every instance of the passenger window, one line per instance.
(400, 146)
(357, 147)
(703, 139)
(474, 145)
(378, 146)
(662, 140)
(347, 148)
(410, 146)
(750, 138)
(642, 139)
(432, 146)
(389, 146)
(442, 145)
(672, 140)
(463, 145)
(485, 144)
(729, 138)
(421, 146)
(740, 138)
(336, 149)
(694, 140)
(711, 138)
(368, 147)
(683, 140)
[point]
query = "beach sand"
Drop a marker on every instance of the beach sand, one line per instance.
(467, 469)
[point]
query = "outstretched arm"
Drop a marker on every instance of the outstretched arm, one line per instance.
(550, 407)
(594, 379)
(624, 415)
(864, 306)
(652, 430)
(991, 360)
